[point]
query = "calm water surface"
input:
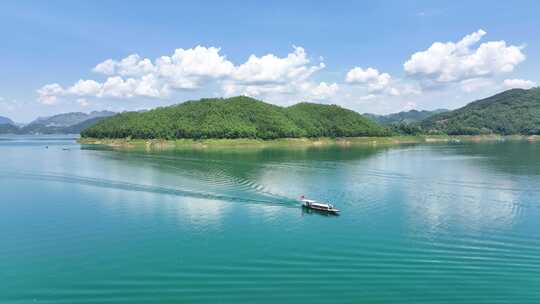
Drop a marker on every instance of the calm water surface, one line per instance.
(452, 223)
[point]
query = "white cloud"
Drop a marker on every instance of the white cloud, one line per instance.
(475, 84)
(116, 86)
(519, 83)
(323, 91)
(183, 70)
(273, 69)
(85, 88)
(368, 97)
(278, 78)
(131, 66)
(378, 83)
(410, 89)
(190, 69)
(48, 93)
(293, 92)
(375, 81)
(83, 102)
(106, 67)
(463, 66)
(146, 86)
(186, 69)
(457, 61)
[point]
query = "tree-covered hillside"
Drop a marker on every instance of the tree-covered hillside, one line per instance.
(237, 117)
(515, 111)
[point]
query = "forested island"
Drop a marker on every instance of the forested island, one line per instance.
(237, 117)
(513, 112)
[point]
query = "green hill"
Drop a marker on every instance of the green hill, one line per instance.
(515, 111)
(237, 117)
(405, 117)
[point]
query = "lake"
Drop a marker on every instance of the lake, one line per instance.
(440, 223)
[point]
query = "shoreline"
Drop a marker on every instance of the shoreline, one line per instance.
(244, 143)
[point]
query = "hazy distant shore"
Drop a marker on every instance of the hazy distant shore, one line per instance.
(161, 144)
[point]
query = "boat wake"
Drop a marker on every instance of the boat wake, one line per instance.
(263, 197)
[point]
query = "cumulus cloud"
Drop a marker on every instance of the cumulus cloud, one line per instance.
(186, 69)
(519, 83)
(106, 67)
(271, 76)
(189, 69)
(85, 88)
(375, 81)
(378, 83)
(474, 84)
(83, 102)
(273, 69)
(323, 90)
(48, 93)
(467, 65)
(114, 86)
(458, 61)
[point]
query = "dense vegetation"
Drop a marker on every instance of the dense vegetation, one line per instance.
(237, 117)
(515, 111)
(405, 117)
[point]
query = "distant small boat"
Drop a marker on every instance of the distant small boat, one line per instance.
(319, 206)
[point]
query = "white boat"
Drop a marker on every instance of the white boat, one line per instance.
(319, 206)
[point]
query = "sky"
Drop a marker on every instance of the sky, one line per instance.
(377, 56)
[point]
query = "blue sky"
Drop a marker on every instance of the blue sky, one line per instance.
(358, 55)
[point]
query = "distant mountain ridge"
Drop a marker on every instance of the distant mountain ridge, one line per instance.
(69, 119)
(8, 129)
(65, 123)
(6, 121)
(407, 117)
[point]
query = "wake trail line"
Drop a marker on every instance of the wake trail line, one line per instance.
(112, 184)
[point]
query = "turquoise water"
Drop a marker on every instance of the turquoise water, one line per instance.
(447, 223)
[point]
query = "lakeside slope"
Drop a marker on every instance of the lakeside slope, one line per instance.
(515, 111)
(160, 144)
